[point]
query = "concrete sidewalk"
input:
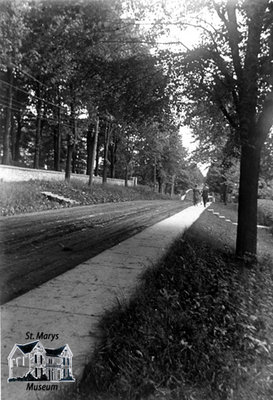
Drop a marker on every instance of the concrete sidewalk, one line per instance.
(71, 304)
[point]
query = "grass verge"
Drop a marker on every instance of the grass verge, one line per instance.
(23, 197)
(199, 327)
(264, 216)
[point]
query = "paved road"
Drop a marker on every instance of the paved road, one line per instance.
(37, 247)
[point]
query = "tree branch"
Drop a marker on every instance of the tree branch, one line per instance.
(233, 33)
(234, 37)
(221, 106)
(227, 115)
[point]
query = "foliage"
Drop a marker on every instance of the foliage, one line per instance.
(227, 80)
(195, 321)
(189, 176)
(223, 178)
(12, 30)
(265, 208)
(160, 155)
(85, 59)
(267, 160)
(265, 189)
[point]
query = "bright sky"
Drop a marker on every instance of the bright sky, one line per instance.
(189, 36)
(187, 139)
(191, 144)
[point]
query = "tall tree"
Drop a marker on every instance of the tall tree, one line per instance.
(233, 70)
(12, 30)
(93, 150)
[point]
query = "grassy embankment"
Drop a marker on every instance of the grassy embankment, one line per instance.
(198, 327)
(22, 197)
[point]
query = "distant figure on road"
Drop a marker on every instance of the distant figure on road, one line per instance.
(196, 195)
(205, 195)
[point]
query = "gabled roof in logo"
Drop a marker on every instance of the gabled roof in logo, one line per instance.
(28, 347)
(24, 348)
(54, 352)
(60, 352)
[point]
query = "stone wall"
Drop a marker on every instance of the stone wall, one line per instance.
(16, 174)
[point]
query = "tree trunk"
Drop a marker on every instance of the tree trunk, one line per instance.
(224, 193)
(94, 150)
(162, 188)
(96, 172)
(113, 158)
(57, 148)
(57, 140)
(13, 137)
(90, 141)
(159, 185)
(172, 187)
(126, 175)
(106, 148)
(112, 161)
(18, 138)
(71, 137)
(154, 173)
(69, 153)
(248, 193)
(38, 130)
(74, 160)
(6, 138)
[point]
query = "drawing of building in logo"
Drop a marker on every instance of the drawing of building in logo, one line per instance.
(34, 362)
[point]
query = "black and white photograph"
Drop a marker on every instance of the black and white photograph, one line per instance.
(136, 199)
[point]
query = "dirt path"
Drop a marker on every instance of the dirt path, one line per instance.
(37, 247)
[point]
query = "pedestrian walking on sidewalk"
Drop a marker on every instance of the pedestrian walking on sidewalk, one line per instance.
(205, 195)
(196, 195)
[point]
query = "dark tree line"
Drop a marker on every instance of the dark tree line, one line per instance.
(79, 94)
